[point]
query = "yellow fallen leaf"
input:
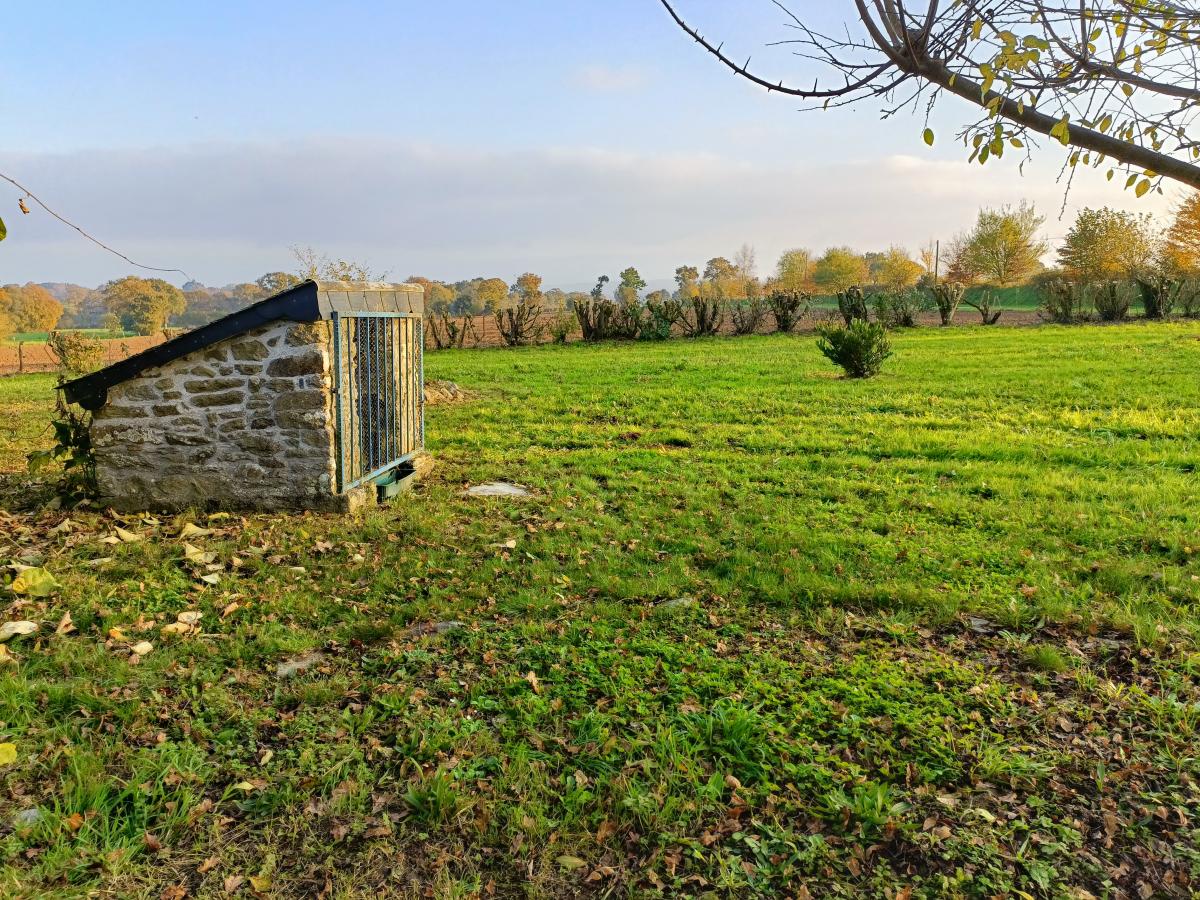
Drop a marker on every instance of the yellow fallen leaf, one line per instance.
(141, 648)
(177, 628)
(191, 529)
(128, 537)
(190, 617)
(34, 582)
(196, 556)
(8, 754)
(260, 883)
(245, 786)
(117, 634)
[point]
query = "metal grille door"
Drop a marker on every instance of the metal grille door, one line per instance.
(379, 364)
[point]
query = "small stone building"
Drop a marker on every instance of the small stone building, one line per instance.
(310, 399)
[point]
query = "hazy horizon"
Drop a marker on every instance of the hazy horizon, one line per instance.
(568, 143)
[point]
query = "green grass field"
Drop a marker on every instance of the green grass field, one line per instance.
(1019, 297)
(39, 337)
(760, 631)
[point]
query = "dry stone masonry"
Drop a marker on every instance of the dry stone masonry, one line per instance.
(246, 422)
(243, 412)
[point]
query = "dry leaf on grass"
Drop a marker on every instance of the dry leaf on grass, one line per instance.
(196, 556)
(191, 530)
(10, 630)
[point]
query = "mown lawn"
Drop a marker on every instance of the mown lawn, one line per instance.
(759, 631)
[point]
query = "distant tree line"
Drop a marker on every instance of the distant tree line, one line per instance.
(1108, 260)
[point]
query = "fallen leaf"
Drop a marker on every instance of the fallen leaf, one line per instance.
(10, 630)
(191, 617)
(35, 582)
(260, 882)
(196, 556)
(233, 882)
(533, 681)
(191, 529)
(177, 628)
(571, 862)
(128, 537)
(65, 625)
(208, 865)
(8, 754)
(141, 648)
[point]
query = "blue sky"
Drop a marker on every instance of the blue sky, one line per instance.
(455, 139)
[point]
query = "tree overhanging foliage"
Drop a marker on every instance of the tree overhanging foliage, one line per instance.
(1115, 80)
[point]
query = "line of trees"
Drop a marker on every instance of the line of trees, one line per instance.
(1108, 260)
(28, 307)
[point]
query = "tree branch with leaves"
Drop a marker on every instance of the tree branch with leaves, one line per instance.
(1115, 81)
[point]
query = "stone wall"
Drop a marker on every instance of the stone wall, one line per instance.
(246, 423)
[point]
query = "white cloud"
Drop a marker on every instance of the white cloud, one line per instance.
(609, 79)
(229, 211)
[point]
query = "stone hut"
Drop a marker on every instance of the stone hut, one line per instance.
(310, 399)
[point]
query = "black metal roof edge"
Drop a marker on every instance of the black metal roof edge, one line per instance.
(298, 303)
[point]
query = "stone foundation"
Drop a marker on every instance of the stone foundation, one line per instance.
(245, 423)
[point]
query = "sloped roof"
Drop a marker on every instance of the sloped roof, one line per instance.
(308, 301)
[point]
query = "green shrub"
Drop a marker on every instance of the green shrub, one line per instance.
(852, 304)
(1158, 293)
(1111, 300)
(1189, 299)
(71, 454)
(747, 315)
(702, 315)
(787, 307)
(899, 309)
(860, 348)
(561, 327)
(76, 353)
(1062, 301)
(658, 318)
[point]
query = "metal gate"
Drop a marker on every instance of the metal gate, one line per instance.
(378, 360)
